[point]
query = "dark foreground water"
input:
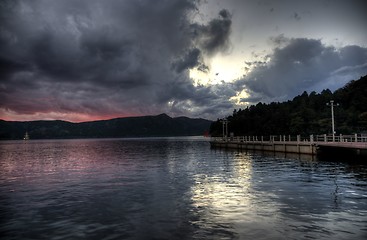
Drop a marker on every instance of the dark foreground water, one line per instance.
(174, 188)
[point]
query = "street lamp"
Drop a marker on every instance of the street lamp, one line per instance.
(225, 128)
(332, 116)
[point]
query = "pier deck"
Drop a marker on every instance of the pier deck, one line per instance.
(314, 145)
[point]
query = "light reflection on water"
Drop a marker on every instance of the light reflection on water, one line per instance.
(174, 188)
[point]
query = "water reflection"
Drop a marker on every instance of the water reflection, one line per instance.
(262, 197)
(225, 190)
(174, 189)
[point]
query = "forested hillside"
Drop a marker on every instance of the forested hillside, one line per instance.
(306, 114)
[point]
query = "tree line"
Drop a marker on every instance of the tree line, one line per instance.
(305, 114)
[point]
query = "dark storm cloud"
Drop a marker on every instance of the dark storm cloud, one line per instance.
(205, 101)
(96, 57)
(209, 39)
(190, 60)
(104, 44)
(304, 64)
(214, 36)
(296, 16)
(8, 67)
(203, 68)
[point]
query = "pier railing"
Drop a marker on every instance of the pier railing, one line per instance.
(288, 138)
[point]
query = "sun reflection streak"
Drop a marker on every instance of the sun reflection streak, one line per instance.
(226, 193)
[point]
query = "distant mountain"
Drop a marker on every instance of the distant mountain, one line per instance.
(147, 126)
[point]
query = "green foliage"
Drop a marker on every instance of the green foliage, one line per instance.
(306, 114)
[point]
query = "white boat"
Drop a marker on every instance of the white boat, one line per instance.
(26, 136)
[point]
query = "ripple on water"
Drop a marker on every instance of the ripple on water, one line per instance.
(169, 188)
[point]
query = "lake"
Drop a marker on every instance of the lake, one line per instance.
(174, 188)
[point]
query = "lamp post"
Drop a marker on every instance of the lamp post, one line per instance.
(331, 104)
(225, 128)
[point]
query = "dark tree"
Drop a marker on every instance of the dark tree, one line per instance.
(306, 114)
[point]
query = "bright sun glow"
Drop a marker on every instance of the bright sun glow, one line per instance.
(238, 99)
(221, 69)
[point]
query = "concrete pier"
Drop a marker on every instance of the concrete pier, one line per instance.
(287, 147)
(314, 145)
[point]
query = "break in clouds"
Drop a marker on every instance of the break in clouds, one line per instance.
(120, 58)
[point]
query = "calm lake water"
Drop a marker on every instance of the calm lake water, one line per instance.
(174, 188)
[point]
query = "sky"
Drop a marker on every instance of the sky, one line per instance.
(85, 60)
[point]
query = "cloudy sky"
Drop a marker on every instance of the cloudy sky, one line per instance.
(81, 60)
